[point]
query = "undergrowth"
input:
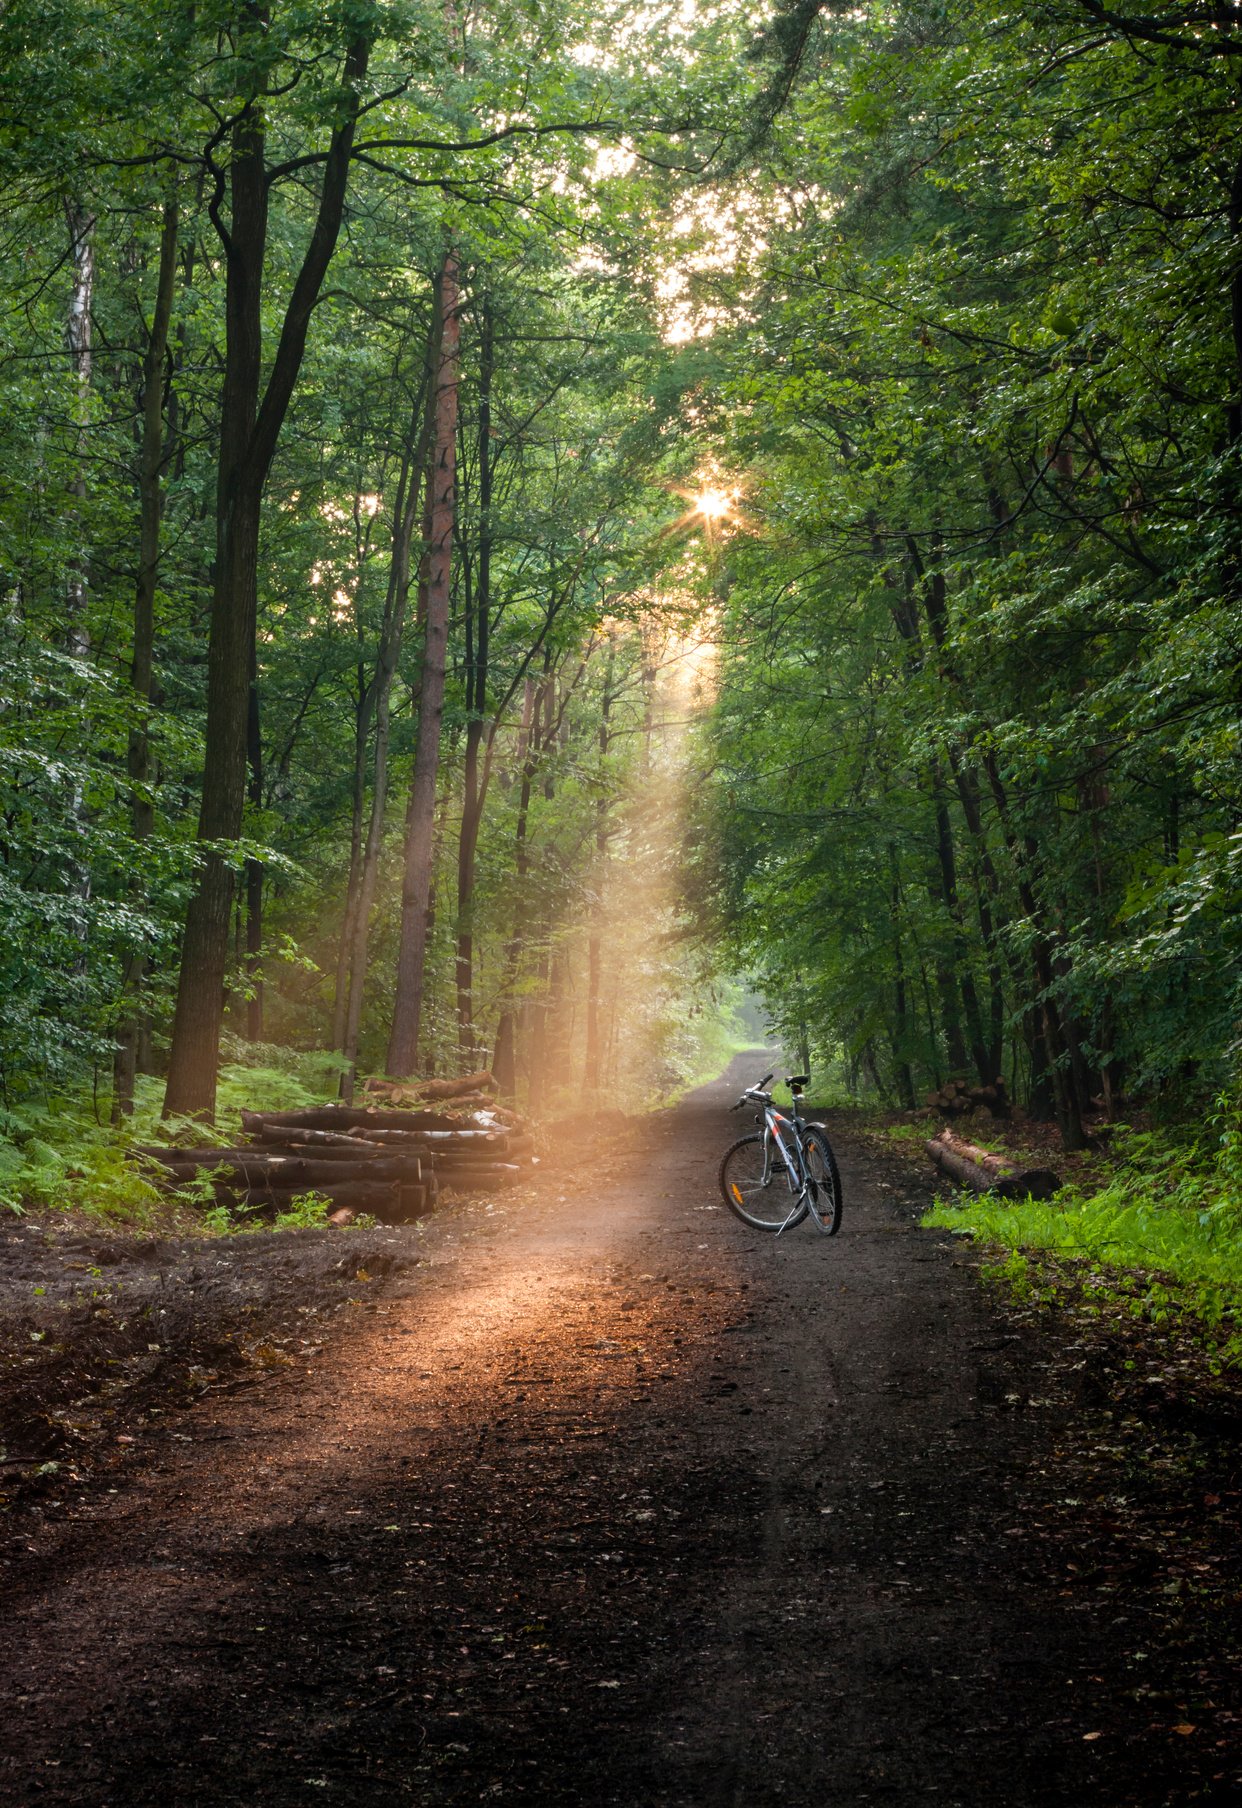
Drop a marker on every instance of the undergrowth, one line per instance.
(62, 1154)
(1162, 1232)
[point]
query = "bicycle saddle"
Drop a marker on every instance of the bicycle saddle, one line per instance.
(797, 1080)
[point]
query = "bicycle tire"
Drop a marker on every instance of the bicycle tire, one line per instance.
(762, 1207)
(821, 1166)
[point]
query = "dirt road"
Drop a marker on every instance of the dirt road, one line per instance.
(616, 1503)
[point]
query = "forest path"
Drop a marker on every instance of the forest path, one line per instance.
(622, 1504)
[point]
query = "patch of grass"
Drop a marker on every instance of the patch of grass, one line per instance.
(906, 1132)
(1163, 1231)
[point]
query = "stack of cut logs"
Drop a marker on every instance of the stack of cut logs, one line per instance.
(379, 1159)
(956, 1097)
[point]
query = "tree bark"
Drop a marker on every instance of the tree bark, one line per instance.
(151, 461)
(591, 1063)
(416, 887)
(79, 344)
(476, 703)
(416, 473)
(249, 429)
(254, 868)
(901, 1064)
(504, 1060)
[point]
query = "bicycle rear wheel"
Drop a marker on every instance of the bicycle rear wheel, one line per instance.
(821, 1167)
(756, 1190)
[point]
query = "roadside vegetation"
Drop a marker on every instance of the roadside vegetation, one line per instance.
(1155, 1228)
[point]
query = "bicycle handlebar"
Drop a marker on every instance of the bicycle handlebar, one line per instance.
(752, 1093)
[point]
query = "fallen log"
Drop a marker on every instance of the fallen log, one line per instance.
(201, 1158)
(294, 1171)
(482, 1081)
(348, 1154)
(985, 1172)
(346, 1117)
(321, 1139)
(439, 1139)
(504, 1115)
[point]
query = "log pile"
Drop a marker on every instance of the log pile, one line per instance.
(382, 1159)
(984, 1172)
(956, 1097)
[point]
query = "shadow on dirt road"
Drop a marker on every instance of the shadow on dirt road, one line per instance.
(616, 1503)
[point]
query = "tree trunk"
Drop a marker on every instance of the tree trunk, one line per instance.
(476, 703)
(151, 460)
(504, 1061)
(591, 1063)
(986, 1067)
(248, 433)
(78, 340)
(416, 888)
(254, 868)
(416, 473)
(901, 1064)
(1058, 1051)
(353, 875)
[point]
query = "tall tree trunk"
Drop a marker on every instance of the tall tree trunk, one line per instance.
(254, 868)
(591, 1063)
(416, 472)
(248, 433)
(476, 703)
(353, 875)
(901, 1015)
(416, 887)
(504, 1059)
(946, 893)
(151, 458)
(1061, 1066)
(79, 344)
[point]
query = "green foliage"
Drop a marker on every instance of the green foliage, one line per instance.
(1164, 1232)
(306, 1211)
(63, 1156)
(971, 797)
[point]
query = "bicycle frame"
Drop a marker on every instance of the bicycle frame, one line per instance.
(773, 1124)
(799, 1181)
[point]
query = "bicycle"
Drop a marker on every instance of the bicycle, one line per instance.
(785, 1149)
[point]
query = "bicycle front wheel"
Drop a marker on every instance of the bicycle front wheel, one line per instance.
(821, 1167)
(755, 1188)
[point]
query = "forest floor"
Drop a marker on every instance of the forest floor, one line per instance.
(593, 1496)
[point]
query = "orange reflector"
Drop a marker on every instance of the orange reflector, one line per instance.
(736, 1191)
